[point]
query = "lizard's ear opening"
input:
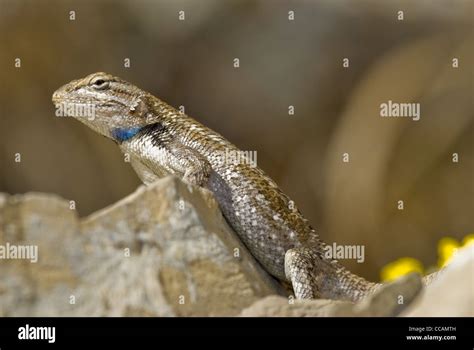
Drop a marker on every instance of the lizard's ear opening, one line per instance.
(139, 107)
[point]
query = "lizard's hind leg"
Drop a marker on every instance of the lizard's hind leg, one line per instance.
(313, 276)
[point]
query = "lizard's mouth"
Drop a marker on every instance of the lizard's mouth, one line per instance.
(61, 97)
(62, 101)
(68, 107)
(57, 97)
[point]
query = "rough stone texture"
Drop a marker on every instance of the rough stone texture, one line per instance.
(389, 300)
(282, 307)
(451, 294)
(160, 246)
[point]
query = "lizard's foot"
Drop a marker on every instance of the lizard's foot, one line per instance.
(298, 270)
(196, 178)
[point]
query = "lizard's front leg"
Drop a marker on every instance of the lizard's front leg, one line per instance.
(194, 168)
(160, 159)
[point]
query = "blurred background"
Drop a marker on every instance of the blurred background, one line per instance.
(282, 63)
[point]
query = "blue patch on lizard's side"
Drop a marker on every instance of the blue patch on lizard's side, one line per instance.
(124, 134)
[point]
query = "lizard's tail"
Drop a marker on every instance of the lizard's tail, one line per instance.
(315, 277)
(355, 288)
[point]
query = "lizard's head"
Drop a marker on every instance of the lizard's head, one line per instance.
(107, 104)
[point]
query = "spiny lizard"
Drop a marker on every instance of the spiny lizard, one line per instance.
(162, 141)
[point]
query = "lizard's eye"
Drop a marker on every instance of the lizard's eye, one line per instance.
(100, 84)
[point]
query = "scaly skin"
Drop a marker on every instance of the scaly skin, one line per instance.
(162, 141)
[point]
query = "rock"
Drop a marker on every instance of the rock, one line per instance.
(451, 293)
(165, 250)
(391, 298)
(283, 307)
(388, 300)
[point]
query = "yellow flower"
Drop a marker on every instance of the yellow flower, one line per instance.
(468, 240)
(400, 267)
(447, 248)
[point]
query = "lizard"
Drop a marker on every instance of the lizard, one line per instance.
(162, 141)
